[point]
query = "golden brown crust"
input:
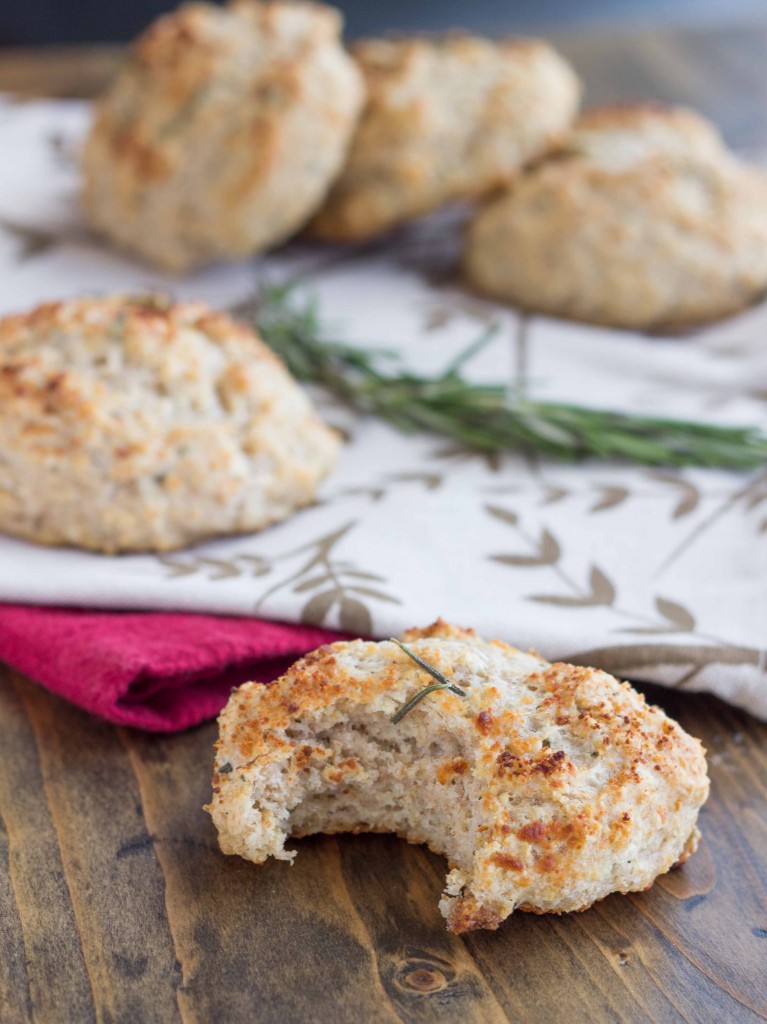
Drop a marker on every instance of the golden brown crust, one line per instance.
(446, 118)
(439, 630)
(168, 421)
(662, 242)
(687, 125)
(621, 136)
(467, 915)
(268, 84)
(546, 786)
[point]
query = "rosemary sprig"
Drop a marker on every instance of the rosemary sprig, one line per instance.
(443, 683)
(488, 417)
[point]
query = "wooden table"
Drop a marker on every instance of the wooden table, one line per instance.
(115, 904)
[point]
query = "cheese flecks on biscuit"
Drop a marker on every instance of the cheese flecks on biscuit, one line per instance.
(546, 786)
(137, 424)
(445, 119)
(645, 221)
(222, 132)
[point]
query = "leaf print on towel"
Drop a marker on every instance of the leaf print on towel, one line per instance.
(375, 494)
(547, 551)
(636, 659)
(377, 491)
(553, 494)
(332, 583)
(747, 497)
(610, 497)
(430, 481)
(689, 495)
(677, 619)
(216, 569)
(493, 461)
(600, 594)
(754, 500)
(607, 496)
(455, 305)
(329, 582)
(31, 241)
(63, 151)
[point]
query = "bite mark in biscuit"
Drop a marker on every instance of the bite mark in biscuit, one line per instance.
(546, 787)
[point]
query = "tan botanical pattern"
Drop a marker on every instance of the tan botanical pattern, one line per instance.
(652, 574)
(666, 618)
(324, 581)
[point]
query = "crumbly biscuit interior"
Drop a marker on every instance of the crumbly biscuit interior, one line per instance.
(362, 773)
(399, 788)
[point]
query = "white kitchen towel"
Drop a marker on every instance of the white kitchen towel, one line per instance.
(658, 575)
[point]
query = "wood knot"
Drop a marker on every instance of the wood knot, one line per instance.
(422, 977)
(423, 980)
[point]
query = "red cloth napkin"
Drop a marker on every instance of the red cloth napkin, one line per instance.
(157, 671)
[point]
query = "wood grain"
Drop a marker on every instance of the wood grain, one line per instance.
(116, 905)
(62, 71)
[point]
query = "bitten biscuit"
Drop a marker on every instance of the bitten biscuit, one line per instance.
(644, 222)
(545, 786)
(446, 118)
(222, 132)
(132, 424)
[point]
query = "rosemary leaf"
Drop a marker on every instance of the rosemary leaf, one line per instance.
(488, 417)
(401, 711)
(442, 683)
(435, 672)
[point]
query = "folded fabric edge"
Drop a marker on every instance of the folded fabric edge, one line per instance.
(78, 654)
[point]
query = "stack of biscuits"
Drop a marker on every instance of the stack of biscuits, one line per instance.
(132, 424)
(229, 130)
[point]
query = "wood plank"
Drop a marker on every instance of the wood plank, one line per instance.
(15, 1002)
(721, 73)
(352, 930)
(428, 974)
(42, 971)
(284, 939)
(118, 901)
(64, 71)
(694, 948)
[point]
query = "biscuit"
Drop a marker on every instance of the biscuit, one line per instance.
(546, 787)
(643, 226)
(222, 132)
(446, 118)
(621, 135)
(135, 424)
